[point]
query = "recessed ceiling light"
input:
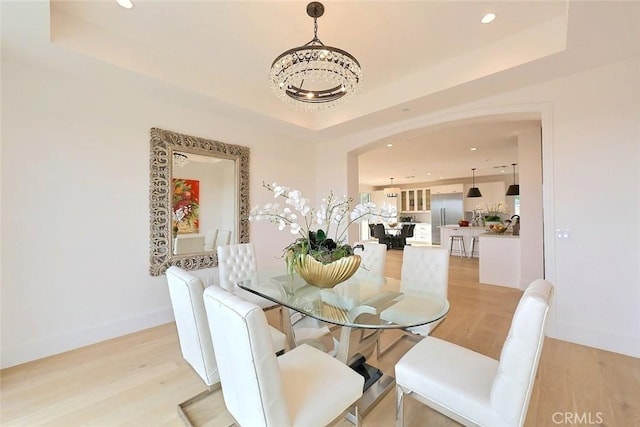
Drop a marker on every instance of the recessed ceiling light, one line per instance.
(473, 148)
(127, 4)
(488, 18)
(389, 145)
(442, 177)
(428, 173)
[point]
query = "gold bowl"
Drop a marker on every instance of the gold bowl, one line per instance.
(327, 275)
(498, 228)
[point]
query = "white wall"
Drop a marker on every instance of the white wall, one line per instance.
(531, 201)
(75, 203)
(75, 220)
(591, 185)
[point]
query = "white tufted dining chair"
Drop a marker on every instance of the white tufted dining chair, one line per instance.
(210, 240)
(223, 238)
(373, 262)
(186, 292)
(187, 244)
(425, 269)
(305, 387)
(236, 263)
(471, 388)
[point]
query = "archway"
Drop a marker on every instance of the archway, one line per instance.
(534, 143)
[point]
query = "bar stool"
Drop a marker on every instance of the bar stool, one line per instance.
(474, 239)
(460, 240)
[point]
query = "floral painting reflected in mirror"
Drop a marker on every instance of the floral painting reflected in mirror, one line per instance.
(199, 199)
(185, 206)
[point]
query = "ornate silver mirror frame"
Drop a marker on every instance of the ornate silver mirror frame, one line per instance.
(163, 143)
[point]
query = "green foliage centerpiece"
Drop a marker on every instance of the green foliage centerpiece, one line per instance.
(321, 258)
(492, 212)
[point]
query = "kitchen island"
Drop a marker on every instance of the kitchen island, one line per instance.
(500, 259)
(467, 233)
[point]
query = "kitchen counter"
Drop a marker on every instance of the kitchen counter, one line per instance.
(467, 233)
(501, 236)
(500, 259)
(457, 226)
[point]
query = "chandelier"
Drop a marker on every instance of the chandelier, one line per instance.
(392, 191)
(314, 76)
(180, 159)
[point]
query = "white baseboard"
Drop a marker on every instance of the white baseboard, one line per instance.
(623, 344)
(50, 345)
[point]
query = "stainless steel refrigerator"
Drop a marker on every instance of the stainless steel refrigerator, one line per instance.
(446, 209)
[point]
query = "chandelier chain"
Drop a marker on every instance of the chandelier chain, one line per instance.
(315, 28)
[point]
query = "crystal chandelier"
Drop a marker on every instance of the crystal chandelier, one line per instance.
(180, 159)
(314, 76)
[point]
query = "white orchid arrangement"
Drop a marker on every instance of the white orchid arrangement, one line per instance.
(493, 211)
(314, 226)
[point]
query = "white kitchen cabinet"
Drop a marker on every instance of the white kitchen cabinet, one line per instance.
(492, 194)
(415, 200)
(447, 189)
(421, 234)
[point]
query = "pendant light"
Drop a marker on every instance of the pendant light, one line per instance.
(514, 189)
(474, 191)
(392, 191)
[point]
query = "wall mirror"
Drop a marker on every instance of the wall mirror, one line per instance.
(199, 199)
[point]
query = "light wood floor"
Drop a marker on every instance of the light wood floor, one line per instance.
(138, 379)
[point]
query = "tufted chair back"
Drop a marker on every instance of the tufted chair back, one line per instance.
(235, 263)
(372, 265)
(249, 373)
(513, 383)
(425, 269)
(186, 292)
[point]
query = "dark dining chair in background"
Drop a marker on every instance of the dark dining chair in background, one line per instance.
(380, 234)
(400, 241)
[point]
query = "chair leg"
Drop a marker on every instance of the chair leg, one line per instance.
(405, 334)
(181, 406)
(381, 352)
(351, 414)
(357, 417)
(399, 406)
(281, 314)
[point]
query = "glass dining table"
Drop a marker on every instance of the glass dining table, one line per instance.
(363, 305)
